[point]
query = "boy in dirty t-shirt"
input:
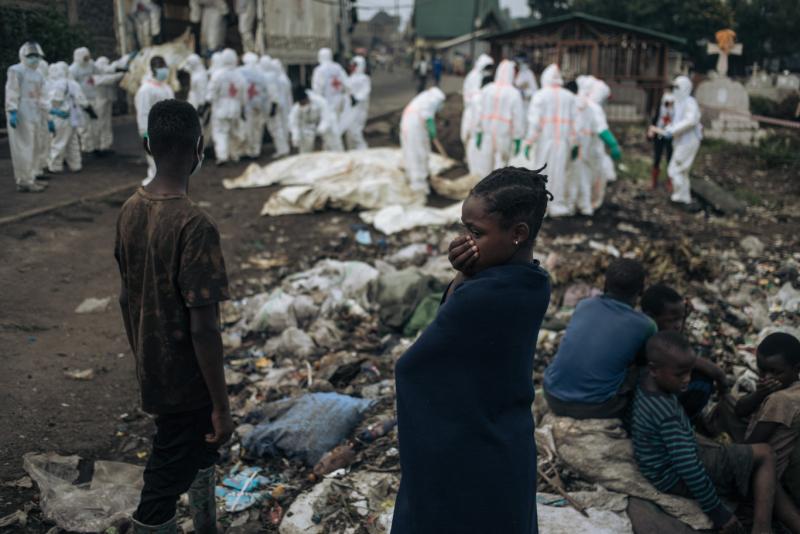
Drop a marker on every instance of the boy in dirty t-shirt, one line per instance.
(173, 278)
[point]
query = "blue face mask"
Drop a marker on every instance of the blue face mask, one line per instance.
(32, 61)
(162, 73)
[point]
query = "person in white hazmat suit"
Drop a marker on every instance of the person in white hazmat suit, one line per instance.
(258, 104)
(417, 130)
(285, 102)
(44, 135)
(470, 122)
(308, 118)
(501, 125)
(211, 16)
(146, 19)
(469, 93)
(585, 173)
(106, 82)
(329, 81)
(686, 134)
(198, 80)
(154, 88)
(525, 82)
(83, 70)
(279, 106)
(66, 100)
(359, 86)
(246, 11)
(227, 97)
(551, 137)
(26, 111)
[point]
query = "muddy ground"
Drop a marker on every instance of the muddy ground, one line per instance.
(53, 261)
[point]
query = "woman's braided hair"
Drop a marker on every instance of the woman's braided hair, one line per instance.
(517, 195)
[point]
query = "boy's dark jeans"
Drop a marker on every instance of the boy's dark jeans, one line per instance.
(179, 451)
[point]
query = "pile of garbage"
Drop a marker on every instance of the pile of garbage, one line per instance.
(309, 366)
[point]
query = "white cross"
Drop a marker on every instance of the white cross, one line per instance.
(722, 60)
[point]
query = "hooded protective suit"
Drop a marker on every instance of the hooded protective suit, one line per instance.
(106, 82)
(416, 132)
(686, 133)
(501, 125)
(359, 86)
(470, 92)
(150, 92)
(43, 134)
(66, 100)
(198, 80)
(246, 10)
(307, 121)
(26, 112)
(328, 81)
(146, 18)
(585, 177)
(211, 16)
(277, 122)
(551, 134)
(258, 104)
(83, 70)
(227, 96)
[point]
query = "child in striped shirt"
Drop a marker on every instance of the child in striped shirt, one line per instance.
(671, 459)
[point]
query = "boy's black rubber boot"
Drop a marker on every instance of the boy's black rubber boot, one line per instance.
(202, 503)
(170, 527)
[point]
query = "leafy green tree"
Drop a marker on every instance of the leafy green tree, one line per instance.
(767, 28)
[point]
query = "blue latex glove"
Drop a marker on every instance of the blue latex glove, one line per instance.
(51, 127)
(12, 118)
(60, 113)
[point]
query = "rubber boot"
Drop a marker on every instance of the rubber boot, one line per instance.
(654, 172)
(170, 527)
(202, 503)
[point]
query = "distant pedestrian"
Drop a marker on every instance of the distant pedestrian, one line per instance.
(438, 67)
(421, 72)
(464, 389)
(173, 279)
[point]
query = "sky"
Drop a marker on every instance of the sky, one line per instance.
(368, 8)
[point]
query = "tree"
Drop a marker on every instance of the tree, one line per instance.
(547, 9)
(767, 28)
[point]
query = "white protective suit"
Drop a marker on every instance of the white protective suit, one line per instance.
(226, 94)
(276, 125)
(65, 97)
(43, 135)
(526, 83)
(415, 140)
(551, 134)
(246, 10)
(25, 97)
(258, 104)
(198, 80)
(501, 120)
(469, 93)
(83, 70)
(307, 121)
(150, 92)
(329, 81)
(590, 120)
(359, 86)
(686, 134)
(146, 18)
(211, 16)
(106, 83)
(285, 100)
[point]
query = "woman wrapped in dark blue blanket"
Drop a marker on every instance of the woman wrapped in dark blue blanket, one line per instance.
(465, 388)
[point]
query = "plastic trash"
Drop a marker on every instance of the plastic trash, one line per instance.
(293, 342)
(398, 294)
(310, 427)
(423, 315)
(363, 237)
(93, 305)
(338, 458)
(377, 430)
(110, 497)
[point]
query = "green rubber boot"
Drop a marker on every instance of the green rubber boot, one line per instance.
(170, 527)
(202, 503)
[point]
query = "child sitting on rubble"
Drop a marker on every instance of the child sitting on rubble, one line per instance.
(593, 374)
(771, 414)
(674, 462)
(465, 388)
(668, 309)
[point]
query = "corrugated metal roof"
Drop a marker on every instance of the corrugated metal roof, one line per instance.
(589, 18)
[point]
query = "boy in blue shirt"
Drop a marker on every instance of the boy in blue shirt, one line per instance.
(591, 376)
